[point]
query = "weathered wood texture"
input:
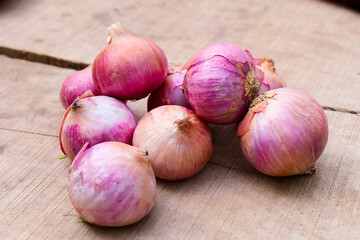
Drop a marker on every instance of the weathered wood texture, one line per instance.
(316, 44)
(228, 199)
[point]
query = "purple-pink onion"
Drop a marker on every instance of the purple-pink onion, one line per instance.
(76, 85)
(94, 120)
(271, 78)
(220, 83)
(284, 132)
(170, 92)
(112, 184)
(129, 67)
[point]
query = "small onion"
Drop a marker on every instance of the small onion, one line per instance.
(129, 67)
(94, 120)
(179, 143)
(170, 93)
(271, 79)
(284, 132)
(220, 83)
(76, 85)
(112, 184)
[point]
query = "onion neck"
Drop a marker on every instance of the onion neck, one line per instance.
(263, 97)
(75, 105)
(115, 30)
(183, 124)
(268, 64)
(252, 85)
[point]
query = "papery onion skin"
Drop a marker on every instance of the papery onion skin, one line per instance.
(179, 143)
(220, 83)
(271, 78)
(112, 184)
(94, 120)
(129, 67)
(284, 133)
(170, 92)
(76, 85)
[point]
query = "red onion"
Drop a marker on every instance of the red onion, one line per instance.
(112, 184)
(220, 83)
(95, 120)
(129, 67)
(271, 79)
(76, 85)
(284, 132)
(170, 93)
(179, 143)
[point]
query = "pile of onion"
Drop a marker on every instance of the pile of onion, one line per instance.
(284, 132)
(93, 120)
(112, 184)
(178, 142)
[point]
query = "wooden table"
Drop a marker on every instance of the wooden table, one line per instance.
(316, 46)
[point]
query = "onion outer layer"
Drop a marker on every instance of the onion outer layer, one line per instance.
(284, 132)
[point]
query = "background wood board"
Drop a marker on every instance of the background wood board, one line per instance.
(221, 202)
(316, 44)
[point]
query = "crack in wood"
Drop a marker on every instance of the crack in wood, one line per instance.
(34, 133)
(343, 110)
(63, 63)
(41, 58)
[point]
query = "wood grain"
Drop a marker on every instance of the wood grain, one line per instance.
(315, 43)
(221, 202)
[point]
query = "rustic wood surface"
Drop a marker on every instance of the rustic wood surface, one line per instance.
(316, 46)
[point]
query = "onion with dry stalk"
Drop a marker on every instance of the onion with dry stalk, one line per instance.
(284, 132)
(179, 143)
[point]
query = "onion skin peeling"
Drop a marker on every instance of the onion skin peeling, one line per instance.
(284, 132)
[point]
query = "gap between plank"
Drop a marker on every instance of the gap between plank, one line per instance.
(22, 131)
(63, 63)
(41, 58)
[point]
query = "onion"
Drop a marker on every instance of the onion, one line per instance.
(76, 85)
(221, 82)
(112, 184)
(271, 79)
(170, 93)
(284, 132)
(129, 67)
(179, 143)
(95, 120)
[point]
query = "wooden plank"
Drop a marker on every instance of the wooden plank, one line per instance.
(221, 202)
(315, 43)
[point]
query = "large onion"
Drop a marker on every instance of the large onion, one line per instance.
(95, 120)
(129, 67)
(284, 132)
(220, 83)
(112, 184)
(179, 143)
